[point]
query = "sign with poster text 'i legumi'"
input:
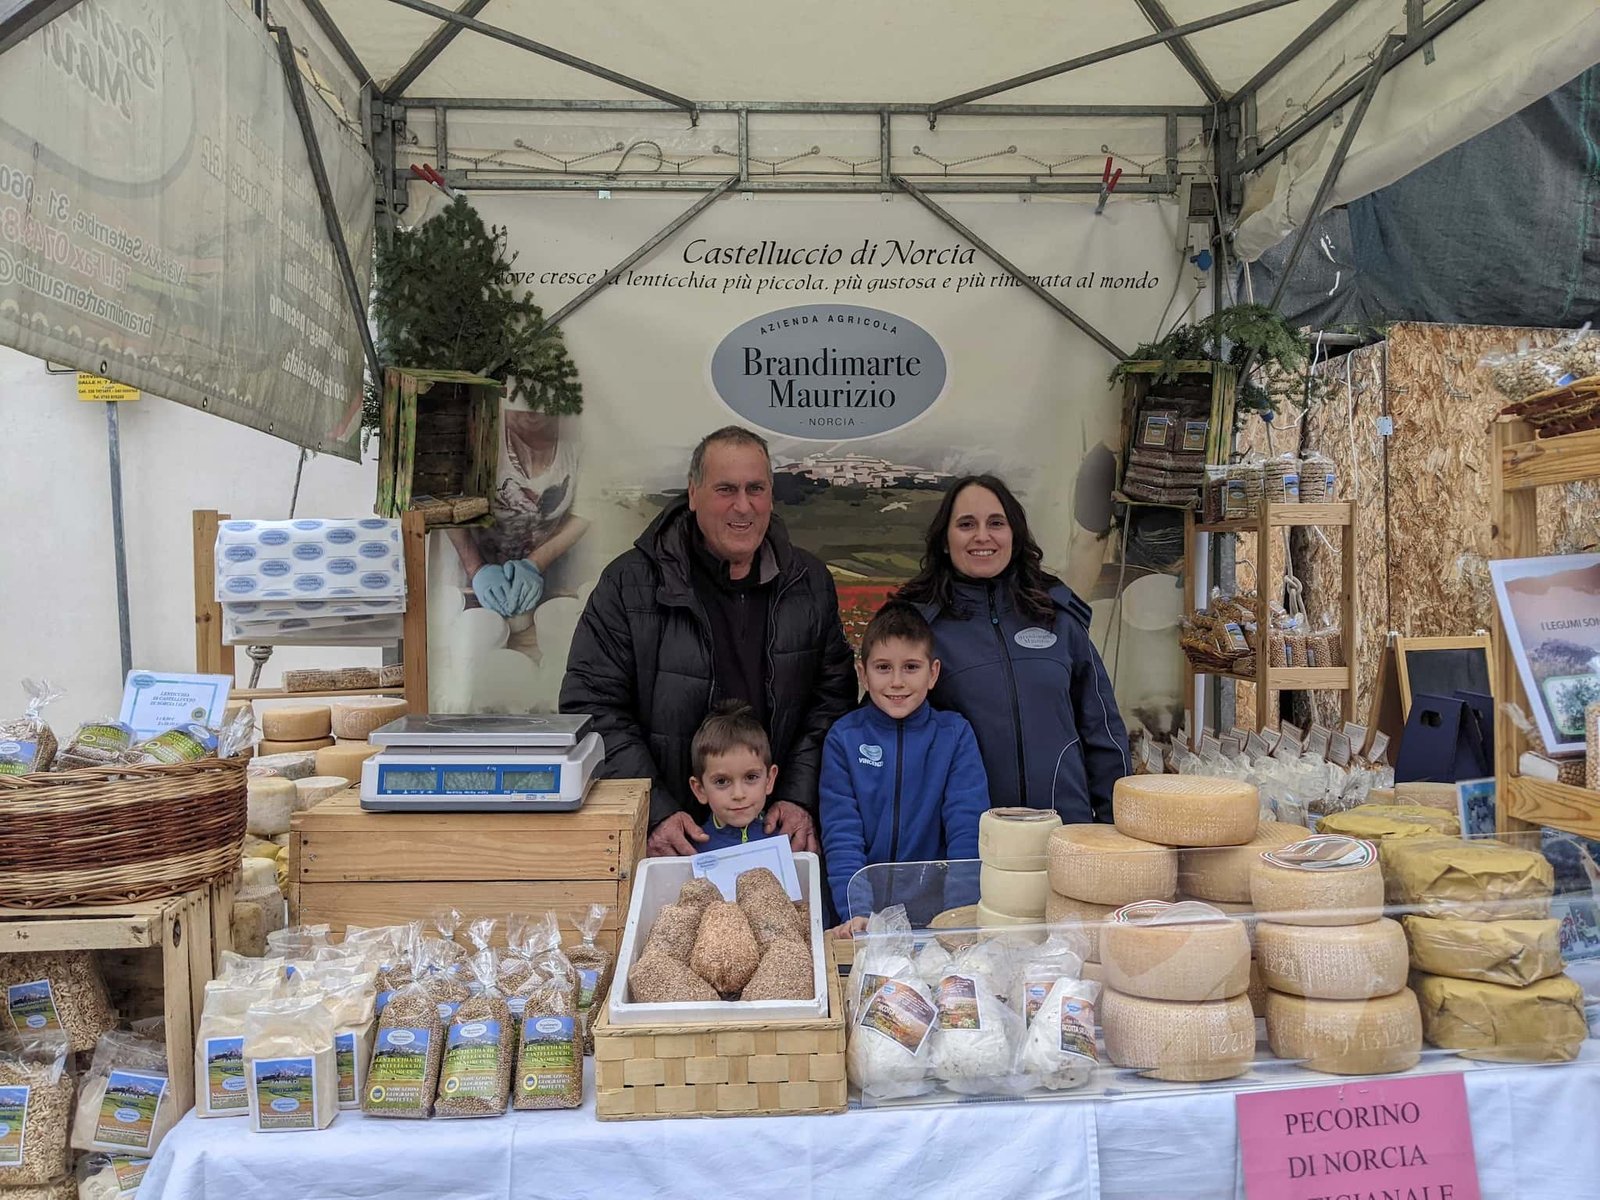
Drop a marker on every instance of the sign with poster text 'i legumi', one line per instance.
(1370, 1139)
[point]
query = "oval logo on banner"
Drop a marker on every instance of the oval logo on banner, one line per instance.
(829, 371)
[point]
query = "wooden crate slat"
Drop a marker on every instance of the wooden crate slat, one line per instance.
(408, 854)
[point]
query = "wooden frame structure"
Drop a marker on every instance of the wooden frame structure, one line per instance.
(1269, 679)
(212, 657)
(1521, 465)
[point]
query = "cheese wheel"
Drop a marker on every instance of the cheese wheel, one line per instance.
(1015, 839)
(290, 766)
(1223, 872)
(987, 918)
(257, 873)
(1015, 893)
(1178, 1041)
(1427, 795)
(1079, 915)
(1347, 1037)
(277, 748)
(1333, 962)
(1105, 866)
(355, 719)
(317, 788)
(1324, 880)
(1245, 912)
(269, 803)
(1186, 810)
(965, 917)
(296, 723)
(345, 759)
(1542, 1022)
(1186, 951)
(1510, 952)
(1257, 991)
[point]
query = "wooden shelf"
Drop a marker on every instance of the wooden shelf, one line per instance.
(282, 694)
(1295, 679)
(1548, 462)
(1558, 805)
(1286, 515)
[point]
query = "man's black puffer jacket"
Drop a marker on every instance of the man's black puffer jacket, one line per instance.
(641, 667)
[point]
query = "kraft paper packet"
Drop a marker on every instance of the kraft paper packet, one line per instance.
(1515, 953)
(1379, 822)
(1543, 1022)
(1481, 880)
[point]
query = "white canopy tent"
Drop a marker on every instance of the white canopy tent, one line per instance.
(848, 94)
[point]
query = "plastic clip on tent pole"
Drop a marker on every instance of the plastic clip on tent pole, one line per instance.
(1108, 184)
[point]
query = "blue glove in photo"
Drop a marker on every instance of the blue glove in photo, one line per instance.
(527, 586)
(493, 589)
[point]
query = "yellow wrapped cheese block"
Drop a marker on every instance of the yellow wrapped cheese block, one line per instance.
(1477, 880)
(1377, 822)
(1542, 1022)
(1515, 953)
(1429, 795)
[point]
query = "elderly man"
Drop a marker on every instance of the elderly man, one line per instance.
(713, 603)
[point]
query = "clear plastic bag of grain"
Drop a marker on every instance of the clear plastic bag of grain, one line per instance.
(299, 941)
(108, 1177)
(56, 991)
(35, 1109)
(125, 1104)
(480, 1050)
(595, 966)
(186, 743)
(1281, 479)
(444, 948)
(27, 743)
(65, 1188)
(1319, 479)
(549, 1070)
(403, 1076)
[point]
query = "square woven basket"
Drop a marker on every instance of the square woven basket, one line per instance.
(775, 1068)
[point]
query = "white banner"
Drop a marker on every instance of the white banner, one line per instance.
(159, 224)
(880, 355)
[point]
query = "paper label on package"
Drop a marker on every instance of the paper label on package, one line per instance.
(870, 984)
(1380, 748)
(128, 1112)
(1256, 746)
(546, 1063)
(17, 756)
(1077, 1025)
(13, 1122)
(472, 1061)
(129, 1173)
(32, 1006)
(224, 1082)
(1034, 994)
(901, 1014)
(1339, 750)
(958, 1003)
(399, 1071)
(286, 1093)
(588, 981)
(344, 1055)
(1317, 742)
(1194, 435)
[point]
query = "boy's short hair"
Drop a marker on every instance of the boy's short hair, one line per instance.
(897, 619)
(730, 726)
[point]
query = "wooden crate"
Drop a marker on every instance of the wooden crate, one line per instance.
(778, 1068)
(157, 958)
(350, 867)
(439, 436)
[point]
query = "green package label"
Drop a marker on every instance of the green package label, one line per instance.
(547, 1063)
(130, 1173)
(472, 1061)
(32, 1006)
(588, 981)
(224, 1082)
(286, 1093)
(398, 1079)
(17, 757)
(128, 1112)
(13, 1120)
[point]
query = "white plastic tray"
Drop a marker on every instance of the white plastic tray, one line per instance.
(654, 887)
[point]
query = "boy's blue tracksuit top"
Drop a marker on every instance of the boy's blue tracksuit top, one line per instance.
(907, 790)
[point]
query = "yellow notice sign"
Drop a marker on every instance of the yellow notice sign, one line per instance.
(97, 387)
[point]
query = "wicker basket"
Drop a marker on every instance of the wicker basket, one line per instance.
(115, 836)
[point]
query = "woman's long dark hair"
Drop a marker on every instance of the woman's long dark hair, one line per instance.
(1025, 576)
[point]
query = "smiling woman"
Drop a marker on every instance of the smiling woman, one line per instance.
(1016, 657)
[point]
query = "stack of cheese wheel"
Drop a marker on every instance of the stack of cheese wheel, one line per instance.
(1486, 953)
(290, 729)
(1220, 875)
(1175, 979)
(1013, 884)
(1334, 965)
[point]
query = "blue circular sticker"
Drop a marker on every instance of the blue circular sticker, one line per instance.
(308, 551)
(144, 680)
(308, 583)
(238, 526)
(374, 550)
(401, 1037)
(239, 585)
(285, 1104)
(373, 580)
(275, 568)
(233, 1084)
(127, 1116)
(274, 537)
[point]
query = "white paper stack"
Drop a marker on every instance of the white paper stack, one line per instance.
(313, 581)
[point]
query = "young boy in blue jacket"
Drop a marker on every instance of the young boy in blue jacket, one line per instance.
(901, 781)
(731, 757)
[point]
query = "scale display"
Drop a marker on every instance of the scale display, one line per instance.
(497, 780)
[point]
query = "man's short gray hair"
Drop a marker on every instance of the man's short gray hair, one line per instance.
(728, 435)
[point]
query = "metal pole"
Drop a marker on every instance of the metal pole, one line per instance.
(330, 212)
(1292, 51)
(341, 44)
(124, 625)
(594, 289)
(509, 181)
(450, 16)
(20, 20)
(1015, 271)
(834, 108)
(1110, 52)
(430, 50)
(1331, 175)
(1161, 21)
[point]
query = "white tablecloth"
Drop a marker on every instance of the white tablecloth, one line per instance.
(1533, 1130)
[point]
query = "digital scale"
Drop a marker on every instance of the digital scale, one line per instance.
(461, 763)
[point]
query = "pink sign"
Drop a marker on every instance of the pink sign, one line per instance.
(1369, 1139)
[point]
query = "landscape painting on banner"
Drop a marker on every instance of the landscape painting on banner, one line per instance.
(879, 354)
